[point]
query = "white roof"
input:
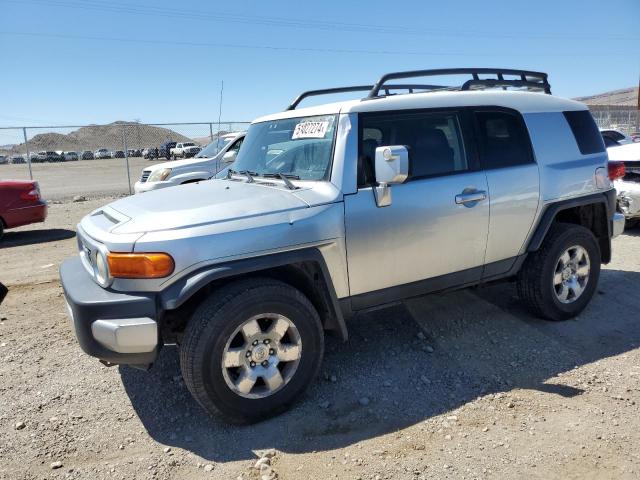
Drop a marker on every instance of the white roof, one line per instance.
(524, 102)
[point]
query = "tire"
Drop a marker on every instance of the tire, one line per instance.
(212, 330)
(631, 223)
(541, 282)
(1, 228)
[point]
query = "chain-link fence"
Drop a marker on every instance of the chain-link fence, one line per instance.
(626, 120)
(102, 160)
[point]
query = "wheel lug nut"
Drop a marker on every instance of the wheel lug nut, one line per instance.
(253, 364)
(248, 354)
(265, 364)
(271, 351)
(255, 342)
(267, 341)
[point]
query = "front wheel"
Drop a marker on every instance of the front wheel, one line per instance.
(251, 349)
(558, 281)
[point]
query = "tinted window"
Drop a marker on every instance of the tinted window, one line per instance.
(613, 135)
(503, 140)
(585, 131)
(608, 142)
(433, 140)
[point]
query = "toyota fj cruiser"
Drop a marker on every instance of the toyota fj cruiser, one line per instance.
(338, 208)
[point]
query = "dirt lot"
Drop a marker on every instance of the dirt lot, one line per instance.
(464, 385)
(66, 179)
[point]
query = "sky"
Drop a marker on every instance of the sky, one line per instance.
(96, 61)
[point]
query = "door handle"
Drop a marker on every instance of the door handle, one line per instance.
(471, 197)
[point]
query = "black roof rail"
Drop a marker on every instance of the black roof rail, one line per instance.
(528, 79)
(359, 88)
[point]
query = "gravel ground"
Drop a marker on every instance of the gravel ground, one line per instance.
(85, 177)
(463, 385)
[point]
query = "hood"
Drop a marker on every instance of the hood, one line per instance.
(624, 153)
(175, 164)
(200, 204)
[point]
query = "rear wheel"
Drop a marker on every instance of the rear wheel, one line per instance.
(1, 228)
(251, 349)
(558, 281)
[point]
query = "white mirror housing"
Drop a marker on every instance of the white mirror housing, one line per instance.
(392, 164)
(229, 156)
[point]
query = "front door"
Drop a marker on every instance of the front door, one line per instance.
(434, 233)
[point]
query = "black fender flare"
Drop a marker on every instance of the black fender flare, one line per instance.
(607, 199)
(183, 289)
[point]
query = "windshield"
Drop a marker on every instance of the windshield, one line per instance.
(297, 147)
(214, 147)
(188, 144)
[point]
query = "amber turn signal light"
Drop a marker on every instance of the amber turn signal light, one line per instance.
(140, 265)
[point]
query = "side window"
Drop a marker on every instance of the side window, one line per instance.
(236, 146)
(434, 142)
(503, 140)
(585, 131)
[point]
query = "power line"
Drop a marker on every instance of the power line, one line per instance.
(152, 10)
(300, 49)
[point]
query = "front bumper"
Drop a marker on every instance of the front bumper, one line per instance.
(628, 198)
(112, 326)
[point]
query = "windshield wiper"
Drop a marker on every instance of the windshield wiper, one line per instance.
(248, 173)
(284, 177)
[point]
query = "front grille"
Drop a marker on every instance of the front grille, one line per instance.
(145, 176)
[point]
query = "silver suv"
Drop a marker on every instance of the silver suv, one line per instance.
(339, 208)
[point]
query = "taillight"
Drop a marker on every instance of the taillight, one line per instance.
(31, 195)
(616, 170)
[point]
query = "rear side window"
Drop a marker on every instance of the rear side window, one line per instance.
(585, 131)
(503, 140)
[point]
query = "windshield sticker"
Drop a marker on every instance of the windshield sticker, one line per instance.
(310, 130)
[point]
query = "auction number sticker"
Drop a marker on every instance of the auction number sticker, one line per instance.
(310, 129)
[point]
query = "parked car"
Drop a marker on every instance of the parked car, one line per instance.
(178, 172)
(48, 156)
(102, 153)
(215, 146)
(4, 160)
(70, 156)
(20, 204)
(118, 154)
(184, 150)
(624, 161)
(611, 135)
(87, 155)
(340, 208)
(16, 159)
(165, 150)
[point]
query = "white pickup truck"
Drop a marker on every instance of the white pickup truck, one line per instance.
(184, 150)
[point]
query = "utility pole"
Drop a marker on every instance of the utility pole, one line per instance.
(220, 110)
(638, 107)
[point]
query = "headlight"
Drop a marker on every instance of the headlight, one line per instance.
(159, 175)
(102, 270)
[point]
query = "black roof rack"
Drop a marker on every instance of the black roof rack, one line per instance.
(360, 88)
(536, 81)
(530, 80)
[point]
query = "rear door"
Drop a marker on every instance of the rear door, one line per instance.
(434, 233)
(513, 182)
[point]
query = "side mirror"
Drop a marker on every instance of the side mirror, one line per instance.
(229, 156)
(392, 167)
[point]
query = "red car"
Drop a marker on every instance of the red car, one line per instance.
(20, 204)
